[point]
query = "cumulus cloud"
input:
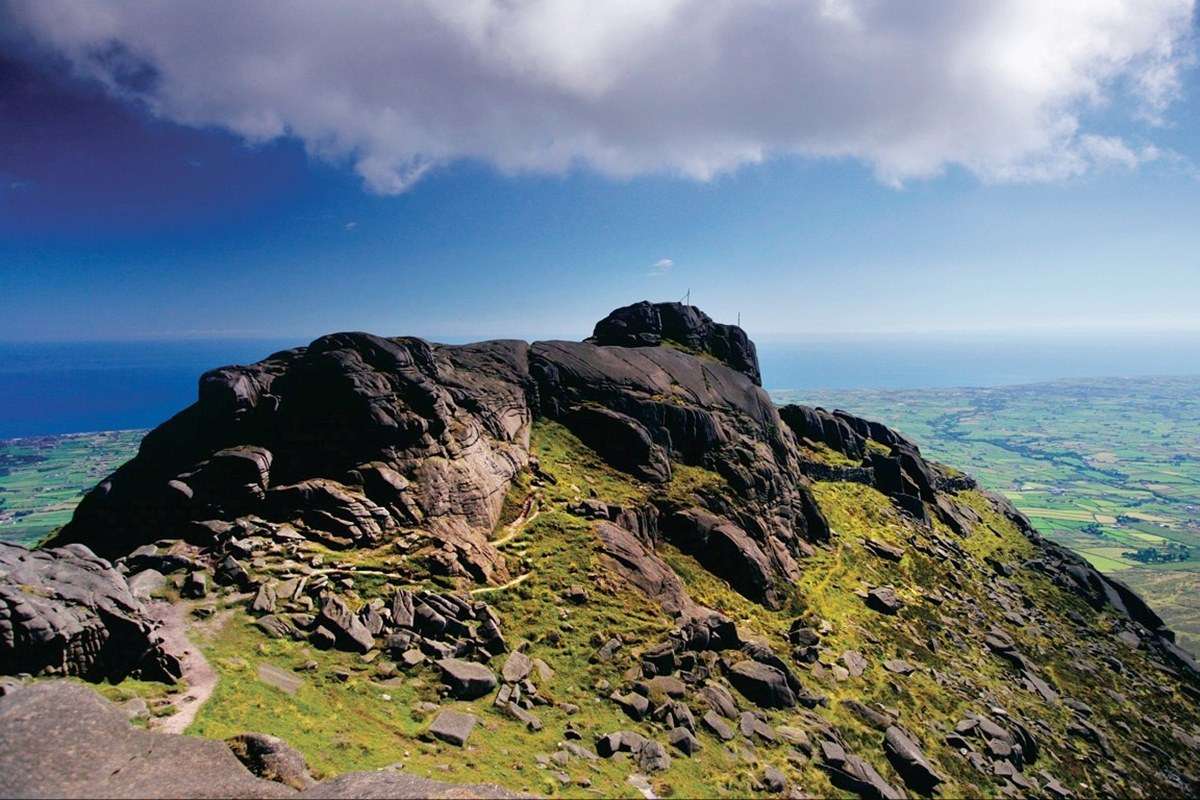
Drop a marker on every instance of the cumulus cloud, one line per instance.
(1002, 89)
(661, 267)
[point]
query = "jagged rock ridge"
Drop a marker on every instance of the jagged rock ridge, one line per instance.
(357, 439)
(361, 443)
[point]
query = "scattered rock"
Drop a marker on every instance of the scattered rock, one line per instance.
(683, 740)
(265, 599)
(853, 774)
(874, 718)
(516, 667)
(717, 725)
(453, 727)
(774, 781)
(855, 663)
(145, 583)
(762, 684)
(271, 758)
(910, 762)
(576, 595)
(348, 631)
(882, 550)
(195, 585)
(884, 599)
(281, 628)
(467, 680)
(530, 721)
(898, 666)
(633, 704)
(606, 651)
(719, 700)
(652, 757)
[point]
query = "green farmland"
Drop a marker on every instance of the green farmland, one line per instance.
(43, 477)
(1106, 467)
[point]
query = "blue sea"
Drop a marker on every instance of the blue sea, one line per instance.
(52, 388)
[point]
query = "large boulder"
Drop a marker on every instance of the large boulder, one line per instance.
(622, 440)
(271, 758)
(762, 684)
(648, 324)
(725, 550)
(466, 679)
(909, 761)
(348, 629)
(93, 751)
(63, 611)
(853, 774)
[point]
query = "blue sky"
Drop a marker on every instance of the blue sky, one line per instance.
(132, 211)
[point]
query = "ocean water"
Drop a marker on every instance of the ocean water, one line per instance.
(52, 388)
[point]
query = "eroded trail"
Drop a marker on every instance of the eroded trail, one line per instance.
(514, 528)
(200, 676)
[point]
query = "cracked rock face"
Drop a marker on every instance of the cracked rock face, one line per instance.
(63, 611)
(356, 439)
(350, 440)
(650, 324)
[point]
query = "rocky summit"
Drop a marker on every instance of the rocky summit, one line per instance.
(385, 567)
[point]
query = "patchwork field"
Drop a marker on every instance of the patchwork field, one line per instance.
(1110, 468)
(43, 477)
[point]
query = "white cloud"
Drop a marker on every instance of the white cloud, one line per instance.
(627, 87)
(350, 226)
(661, 267)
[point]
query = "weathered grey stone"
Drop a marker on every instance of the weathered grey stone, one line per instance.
(713, 721)
(884, 599)
(719, 700)
(774, 781)
(348, 630)
(633, 704)
(762, 684)
(683, 740)
(910, 762)
(466, 679)
(271, 758)
(402, 609)
(516, 667)
(265, 599)
(652, 757)
(453, 727)
(145, 583)
(527, 719)
(64, 611)
(195, 585)
(108, 756)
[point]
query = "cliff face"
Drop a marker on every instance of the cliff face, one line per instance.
(822, 603)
